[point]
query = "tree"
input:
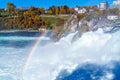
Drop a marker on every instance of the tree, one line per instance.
(10, 7)
(57, 10)
(49, 12)
(80, 16)
(42, 10)
(53, 9)
(62, 11)
(71, 10)
(33, 8)
(66, 9)
(114, 11)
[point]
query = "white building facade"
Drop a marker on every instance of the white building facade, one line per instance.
(112, 17)
(80, 10)
(103, 5)
(116, 4)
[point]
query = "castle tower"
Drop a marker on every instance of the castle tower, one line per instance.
(103, 5)
(116, 4)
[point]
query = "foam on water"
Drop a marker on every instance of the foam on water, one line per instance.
(93, 47)
(12, 56)
(11, 62)
(19, 38)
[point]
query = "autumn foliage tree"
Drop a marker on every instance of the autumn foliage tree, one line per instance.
(62, 11)
(80, 16)
(57, 10)
(11, 8)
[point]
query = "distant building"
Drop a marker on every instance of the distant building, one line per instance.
(91, 10)
(103, 5)
(76, 9)
(112, 17)
(23, 8)
(46, 11)
(116, 4)
(1, 10)
(80, 10)
(43, 28)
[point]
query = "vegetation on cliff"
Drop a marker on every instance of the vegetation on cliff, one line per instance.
(33, 18)
(53, 18)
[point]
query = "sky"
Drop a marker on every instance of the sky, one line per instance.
(47, 3)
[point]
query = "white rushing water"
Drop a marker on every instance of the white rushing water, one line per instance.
(20, 38)
(93, 47)
(13, 54)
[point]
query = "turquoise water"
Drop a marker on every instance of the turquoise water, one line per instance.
(14, 48)
(94, 56)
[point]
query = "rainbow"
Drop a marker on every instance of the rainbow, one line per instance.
(30, 54)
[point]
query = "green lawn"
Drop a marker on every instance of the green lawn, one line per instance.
(54, 19)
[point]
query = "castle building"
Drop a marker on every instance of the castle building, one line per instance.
(80, 10)
(116, 4)
(103, 5)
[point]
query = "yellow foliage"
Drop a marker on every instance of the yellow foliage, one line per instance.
(26, 13)
(57, 11)
(80, 16)
(49, 12)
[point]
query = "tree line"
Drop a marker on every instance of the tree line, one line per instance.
(11, 10)
(30, 18)
(17, 18)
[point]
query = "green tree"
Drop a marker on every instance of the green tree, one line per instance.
(66, 9)
(10, 7)
(53, 9)
(114, 11)
(42, 10)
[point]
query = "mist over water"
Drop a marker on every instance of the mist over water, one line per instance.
(93, 56)
(14, 49)
(94, 52)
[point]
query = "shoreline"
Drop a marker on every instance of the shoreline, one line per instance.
(12, 31)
